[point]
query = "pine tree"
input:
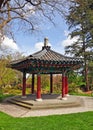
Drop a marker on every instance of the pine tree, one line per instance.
(80, 21)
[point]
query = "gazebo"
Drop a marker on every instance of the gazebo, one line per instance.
(46, 61)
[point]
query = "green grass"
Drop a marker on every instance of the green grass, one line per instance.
(81, 94)
(78, 121)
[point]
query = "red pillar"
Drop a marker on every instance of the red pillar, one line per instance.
(24, 84)
(66, 85)
(38, 87)
(51, 83)
(32, 83)
(63, 86)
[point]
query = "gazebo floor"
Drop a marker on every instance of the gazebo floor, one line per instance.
(49, 101)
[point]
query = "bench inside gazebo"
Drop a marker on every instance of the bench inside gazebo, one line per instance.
(46, 61)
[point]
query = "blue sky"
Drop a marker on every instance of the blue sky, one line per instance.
(29, 43)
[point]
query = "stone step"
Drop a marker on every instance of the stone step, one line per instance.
(19, 103)
(24, 102)
(54, 106)
(43, 105)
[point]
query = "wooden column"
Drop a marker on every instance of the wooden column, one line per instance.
(33, 83)
(63, 87)
(66, 85)
(24, 85)
(39, 87)
(51, 83)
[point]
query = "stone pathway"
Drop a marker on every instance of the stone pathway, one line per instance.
(17, 111)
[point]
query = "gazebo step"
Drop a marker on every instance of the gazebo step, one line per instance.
(51, 106)
(44, 104)
(22, 101)
(19, 103)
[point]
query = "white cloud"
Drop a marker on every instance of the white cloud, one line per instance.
(66, 33)
(9, 43)
(69, 41)
(30, 10)
(39, 45)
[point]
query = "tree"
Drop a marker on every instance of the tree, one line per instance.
(8, 76)
(45, 83)
(90, 76)
(57, 80)
(80, 20)
(28, 13)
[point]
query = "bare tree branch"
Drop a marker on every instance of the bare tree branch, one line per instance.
(34, 2)
(30, 12)
(1, 3)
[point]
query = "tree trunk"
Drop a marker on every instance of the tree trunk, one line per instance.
(85, 64)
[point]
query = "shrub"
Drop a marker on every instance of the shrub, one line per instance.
(1, 97)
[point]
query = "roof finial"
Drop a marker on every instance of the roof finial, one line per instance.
(46, 41)
(46, 46)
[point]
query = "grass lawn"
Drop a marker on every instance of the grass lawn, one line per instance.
(78, 121)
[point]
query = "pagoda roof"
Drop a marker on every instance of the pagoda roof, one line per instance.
(46, 61)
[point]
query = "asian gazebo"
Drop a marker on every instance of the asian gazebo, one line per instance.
(46, 61)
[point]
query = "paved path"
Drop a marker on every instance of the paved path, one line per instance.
(17, 111)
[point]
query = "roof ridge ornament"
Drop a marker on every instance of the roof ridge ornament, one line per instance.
(46, 46)
(45, 41)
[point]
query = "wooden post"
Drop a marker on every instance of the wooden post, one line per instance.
(38, 88)
(33, 83)
(66, 85)
(24, 85)
(51, 83)
(63, 87)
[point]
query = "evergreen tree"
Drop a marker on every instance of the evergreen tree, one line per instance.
(80, 20)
